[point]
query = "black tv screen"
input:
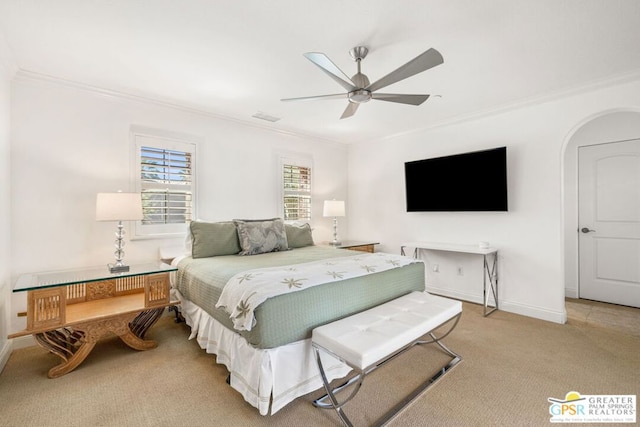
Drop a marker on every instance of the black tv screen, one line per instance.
(475, 181)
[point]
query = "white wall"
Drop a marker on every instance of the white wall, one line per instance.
(7, 69)
(530, 236)
(70, 143)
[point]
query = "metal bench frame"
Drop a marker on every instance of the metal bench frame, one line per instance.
(360, 374)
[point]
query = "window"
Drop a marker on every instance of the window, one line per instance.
(296, 185)
(164, 172)
(165, 181)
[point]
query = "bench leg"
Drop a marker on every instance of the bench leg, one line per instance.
(319, 403)
(438, 340)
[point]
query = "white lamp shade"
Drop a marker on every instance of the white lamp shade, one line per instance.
(333, 208)
(118, 207)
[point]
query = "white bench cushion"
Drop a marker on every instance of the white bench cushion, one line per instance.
(368, 337)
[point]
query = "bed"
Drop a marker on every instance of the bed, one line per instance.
(270, 360)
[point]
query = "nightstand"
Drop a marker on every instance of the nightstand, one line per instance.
(358, 246)
(69, 311)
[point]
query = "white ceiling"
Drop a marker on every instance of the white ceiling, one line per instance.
(234, 58)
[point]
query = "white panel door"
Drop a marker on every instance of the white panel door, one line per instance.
(609, 218)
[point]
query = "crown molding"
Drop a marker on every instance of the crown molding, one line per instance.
(26, 75)
(591, 86)
(634, 75)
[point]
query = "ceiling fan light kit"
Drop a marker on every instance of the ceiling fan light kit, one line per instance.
(359, 96)
(360, 90)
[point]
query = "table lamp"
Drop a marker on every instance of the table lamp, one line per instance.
(334, 208)
(119, 207)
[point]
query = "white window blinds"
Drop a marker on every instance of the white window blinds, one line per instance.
(164, 173)
(166, 185)
(297, 192)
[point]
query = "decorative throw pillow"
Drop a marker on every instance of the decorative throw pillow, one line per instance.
(298, 236)
(213, 239)
(261, 236)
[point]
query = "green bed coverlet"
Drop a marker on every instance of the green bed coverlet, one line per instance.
(291, 317)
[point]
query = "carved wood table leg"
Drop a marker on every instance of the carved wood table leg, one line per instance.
(67, 344)
(145, 320)
(73, 362)
(73, 345)
(138, 327)
(136, 343)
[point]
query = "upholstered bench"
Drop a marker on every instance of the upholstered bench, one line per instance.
(368, 339)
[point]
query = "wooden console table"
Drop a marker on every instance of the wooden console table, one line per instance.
(69, 311)
(490, 269)
(368, 246)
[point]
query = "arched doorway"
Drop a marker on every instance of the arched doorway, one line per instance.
(603, 128)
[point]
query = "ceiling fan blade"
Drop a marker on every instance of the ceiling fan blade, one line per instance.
(332, 70)
(399, 98)
(420, 63)
(350, 110)
(311, 98)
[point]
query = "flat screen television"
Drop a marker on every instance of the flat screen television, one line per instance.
(475, 181)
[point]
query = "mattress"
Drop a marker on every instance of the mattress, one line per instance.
(291, 317)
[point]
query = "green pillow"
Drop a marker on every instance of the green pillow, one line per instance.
(298, 236)
(213, 239)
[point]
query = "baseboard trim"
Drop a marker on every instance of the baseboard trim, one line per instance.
(5, 352)
(571, 293)
(14, 344)
(535, 312)
(511, 307)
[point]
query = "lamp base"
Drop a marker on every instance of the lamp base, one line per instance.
(113, 268)
(335, 243)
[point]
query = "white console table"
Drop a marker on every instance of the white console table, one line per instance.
(490, 270)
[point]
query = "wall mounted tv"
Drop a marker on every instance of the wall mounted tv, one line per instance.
(475, 181)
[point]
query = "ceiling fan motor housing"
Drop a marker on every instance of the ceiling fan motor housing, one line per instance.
(360, 95)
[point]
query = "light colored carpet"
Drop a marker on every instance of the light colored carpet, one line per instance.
(598, 314)
(511, 365)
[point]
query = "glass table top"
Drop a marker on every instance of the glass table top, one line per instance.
(52, 279)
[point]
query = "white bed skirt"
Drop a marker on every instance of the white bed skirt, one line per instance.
(277, 375)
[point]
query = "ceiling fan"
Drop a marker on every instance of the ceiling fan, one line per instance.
(359, 90)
